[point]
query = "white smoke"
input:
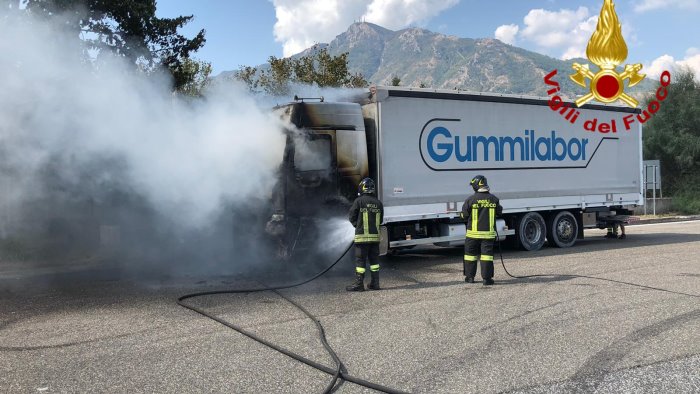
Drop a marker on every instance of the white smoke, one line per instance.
(60, 112)
(337, 234)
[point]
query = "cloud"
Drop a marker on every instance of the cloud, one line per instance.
(649, 5)
(397, 14)
(303, 23)
(658, 65)
(564, 33)
(507, 33)
(667, 62)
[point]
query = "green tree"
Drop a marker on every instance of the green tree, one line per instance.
(319, 68)
(247, 75)
(673, 135)
(395, 81)
(196, 73)
(275, 81)
(127, 28)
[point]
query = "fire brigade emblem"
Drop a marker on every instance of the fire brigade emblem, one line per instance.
(607, 49)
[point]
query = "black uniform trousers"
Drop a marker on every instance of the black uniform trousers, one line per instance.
(366, 251)
(478, 250)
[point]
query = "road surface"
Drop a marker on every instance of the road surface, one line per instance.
(84, 329)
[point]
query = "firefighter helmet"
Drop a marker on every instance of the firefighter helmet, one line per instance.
(366, 187)
(478, 182)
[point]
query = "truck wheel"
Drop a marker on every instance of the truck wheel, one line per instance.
(562, 229)
(531, 231)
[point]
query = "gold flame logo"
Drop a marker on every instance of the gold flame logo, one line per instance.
(607, 49)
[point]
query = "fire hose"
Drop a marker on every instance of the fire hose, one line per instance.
(337, 373)
(500, 252)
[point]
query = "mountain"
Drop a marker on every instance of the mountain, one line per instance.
(418, 56)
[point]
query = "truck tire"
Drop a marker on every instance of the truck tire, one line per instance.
(531, 231)
(562, 229)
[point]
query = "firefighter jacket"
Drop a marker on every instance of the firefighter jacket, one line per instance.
(366, 214)
(479, 212)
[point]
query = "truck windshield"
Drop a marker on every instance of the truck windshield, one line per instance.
(312, 154)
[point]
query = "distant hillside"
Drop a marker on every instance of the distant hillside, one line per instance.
(418, 56)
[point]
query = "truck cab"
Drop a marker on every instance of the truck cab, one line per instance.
(324, 160)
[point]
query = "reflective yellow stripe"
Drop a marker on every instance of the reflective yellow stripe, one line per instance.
(485, 257)
(481, 234)
(475, 217)
(469, 258)
(379, 220)
(365, 222)
(359, 270)
(492, 218)
(374, 268)
(367, 238)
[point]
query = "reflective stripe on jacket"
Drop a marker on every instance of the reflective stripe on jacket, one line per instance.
(366, 215)
(479, 212)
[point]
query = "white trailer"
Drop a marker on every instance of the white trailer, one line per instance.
(553, 176)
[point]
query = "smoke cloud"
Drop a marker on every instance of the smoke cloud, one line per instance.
(92, 150)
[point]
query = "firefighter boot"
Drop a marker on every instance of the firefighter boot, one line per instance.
(467, 277)
(469, 270)
(487, 272)
(374, 284)
(358, 284)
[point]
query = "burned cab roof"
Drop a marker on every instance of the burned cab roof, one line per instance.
(323, 115)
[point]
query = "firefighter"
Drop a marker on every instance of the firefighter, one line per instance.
(612, 230)
(479, 213)
(366, 214)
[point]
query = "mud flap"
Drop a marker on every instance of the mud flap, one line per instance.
(383, 241)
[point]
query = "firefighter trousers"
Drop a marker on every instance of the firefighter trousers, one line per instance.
(478, 250)
(363, 253)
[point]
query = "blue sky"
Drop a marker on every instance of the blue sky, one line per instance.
(659, 33)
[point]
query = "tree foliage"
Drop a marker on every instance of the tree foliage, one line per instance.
(196, 74)
(318, 68)
(395, 81)
(673, 134)
(128, 28)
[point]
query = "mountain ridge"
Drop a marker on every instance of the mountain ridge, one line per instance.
(420, 57)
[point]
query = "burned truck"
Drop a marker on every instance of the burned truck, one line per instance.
(554, 177)
(325, 158)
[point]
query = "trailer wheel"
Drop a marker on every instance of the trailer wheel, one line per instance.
(562, 229)
(531, 231)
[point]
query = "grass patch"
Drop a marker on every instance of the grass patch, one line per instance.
(687, 203)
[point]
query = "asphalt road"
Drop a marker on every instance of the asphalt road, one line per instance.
(85, 329)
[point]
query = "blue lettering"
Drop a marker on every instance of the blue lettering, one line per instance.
(447, 148)
(467, 156)
(512, 141)
(574, 142)
(442, 146)
(556, 141)
(485, 141)
(543, 156)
